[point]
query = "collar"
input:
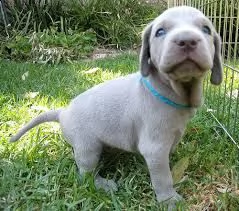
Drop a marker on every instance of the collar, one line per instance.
(160, 97)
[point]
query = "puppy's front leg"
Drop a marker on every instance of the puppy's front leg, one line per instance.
(157, 159)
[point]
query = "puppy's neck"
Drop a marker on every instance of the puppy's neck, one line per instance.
(191, 91)
(188, 93)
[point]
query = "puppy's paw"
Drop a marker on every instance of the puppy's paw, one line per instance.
(107, 185)
(170, 202)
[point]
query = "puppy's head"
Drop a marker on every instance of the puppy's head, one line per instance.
(182, 44)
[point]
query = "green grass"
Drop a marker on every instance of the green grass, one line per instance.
(222, 100)
(39, 173)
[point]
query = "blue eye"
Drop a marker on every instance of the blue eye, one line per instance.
(206, 30)
(160, 32)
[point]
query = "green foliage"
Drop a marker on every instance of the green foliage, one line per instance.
(17, 47)
(49, 46)
(34, 15)
(116, 23)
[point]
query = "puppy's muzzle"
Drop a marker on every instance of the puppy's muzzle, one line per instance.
(186, 47)
(187, 41)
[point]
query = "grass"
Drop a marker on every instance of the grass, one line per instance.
(223, 100)
(39, 173)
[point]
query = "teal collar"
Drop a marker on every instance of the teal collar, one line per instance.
(160, 97)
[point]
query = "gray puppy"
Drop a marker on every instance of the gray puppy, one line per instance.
(145, 112)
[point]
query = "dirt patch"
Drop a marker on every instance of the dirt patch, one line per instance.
(100, 53)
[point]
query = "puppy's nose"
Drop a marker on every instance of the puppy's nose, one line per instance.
(187, 41)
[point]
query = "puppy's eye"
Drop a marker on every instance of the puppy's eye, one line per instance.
(160, 32)
(206, 30)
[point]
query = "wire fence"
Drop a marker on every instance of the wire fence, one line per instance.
(223, 102)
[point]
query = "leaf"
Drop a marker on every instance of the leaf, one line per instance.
(179, 169)
(211, 110)
(25, 75)
(31, 95)
(11, 123)
(93, 70)
(39, 108)
(223, 190)
(236, 192)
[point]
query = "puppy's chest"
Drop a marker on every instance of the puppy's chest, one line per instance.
(169, 119)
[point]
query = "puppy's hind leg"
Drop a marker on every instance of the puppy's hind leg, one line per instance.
(87, 154)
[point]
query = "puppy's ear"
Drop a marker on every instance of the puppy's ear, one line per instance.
(145, 51)
(217, 69)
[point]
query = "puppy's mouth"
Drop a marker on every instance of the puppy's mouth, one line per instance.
(186, 64)
(185, 71)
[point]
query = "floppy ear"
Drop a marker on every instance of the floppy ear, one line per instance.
(145, 51)
(217, 69)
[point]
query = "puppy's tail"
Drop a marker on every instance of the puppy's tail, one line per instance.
(49, 116)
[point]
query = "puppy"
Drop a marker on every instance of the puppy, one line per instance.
(146, 111)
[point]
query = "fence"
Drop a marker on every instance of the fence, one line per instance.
(223, 102)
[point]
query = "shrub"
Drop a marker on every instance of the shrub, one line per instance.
(53, 31)
(49, 46)
(116, 22)
(33, 15)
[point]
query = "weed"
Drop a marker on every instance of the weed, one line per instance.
(50, 46)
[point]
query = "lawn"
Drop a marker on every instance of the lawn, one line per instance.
(39, 173)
